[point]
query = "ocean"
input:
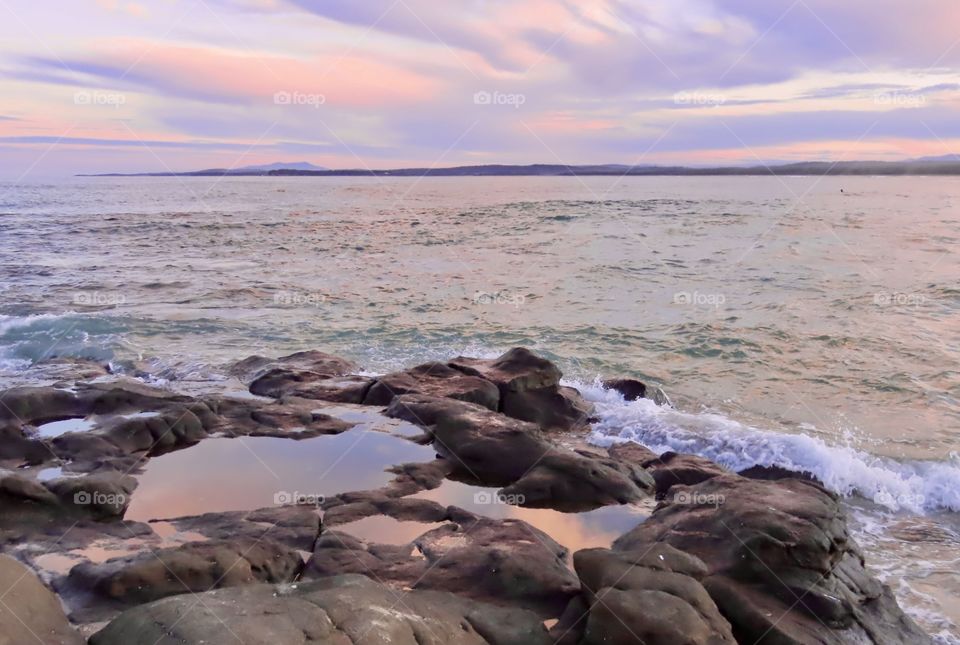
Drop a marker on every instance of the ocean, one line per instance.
(812, 323)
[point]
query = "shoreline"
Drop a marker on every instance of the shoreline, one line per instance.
(504, 430)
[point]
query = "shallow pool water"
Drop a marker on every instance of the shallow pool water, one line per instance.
(380, 529)
(57, 428)
(247, 473)
(596, 528)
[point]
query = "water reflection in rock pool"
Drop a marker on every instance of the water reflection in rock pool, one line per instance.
(247, 473)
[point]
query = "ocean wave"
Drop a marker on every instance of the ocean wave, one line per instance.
(24, 340)
(914, 486)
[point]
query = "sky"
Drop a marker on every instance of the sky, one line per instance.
(171, 85)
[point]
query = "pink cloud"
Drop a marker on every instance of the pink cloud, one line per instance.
(210, 73)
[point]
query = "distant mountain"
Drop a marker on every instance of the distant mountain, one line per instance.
(295, 165)
(949, 165)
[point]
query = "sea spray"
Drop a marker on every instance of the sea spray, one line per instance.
(917, 486)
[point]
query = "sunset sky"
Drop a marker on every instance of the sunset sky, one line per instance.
(158, 85)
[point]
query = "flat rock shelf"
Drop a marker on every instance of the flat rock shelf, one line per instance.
(453, 502)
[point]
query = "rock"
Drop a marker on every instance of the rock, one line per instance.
(338, 553)
(651, 595)
(280, 383)
(518, 370)
(67, 369)
(38, 405)
(309, 375)
(334, 611)
(249, 369)
(490, 447)
(294, 526)
(500, 561)
(176, 427)
(495, 450)
(16, 489)
(530, 389)
(18, 446)
(503, 561)
(781, 565)
(30, 613)
(193, 567)
(671, 468)
(60, 532)
(632, 389)
(774, 473)
(553, 408)
(288, 419)
(402, 509)
(632, 453)
(569, 627)
(415, 477)
(434, 379)
(101, 495)
(572, 482)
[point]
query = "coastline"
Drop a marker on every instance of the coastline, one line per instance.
(508, 435)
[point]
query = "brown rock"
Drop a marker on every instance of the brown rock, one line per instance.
(434, 379)
(671, 468)
(651, 595)
(334, 611)
(30, 613)
(193, 567)
(781, 565)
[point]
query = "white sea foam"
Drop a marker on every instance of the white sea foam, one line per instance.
(12, 323)
(898, 485)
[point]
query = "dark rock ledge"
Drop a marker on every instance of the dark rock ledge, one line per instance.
(758, 557)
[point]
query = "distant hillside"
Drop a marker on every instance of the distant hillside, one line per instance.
(949, 165)
(296, 165)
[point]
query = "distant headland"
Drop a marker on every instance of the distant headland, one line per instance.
(945, 165)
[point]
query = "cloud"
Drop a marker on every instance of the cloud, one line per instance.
(391, 81)
(219, 75)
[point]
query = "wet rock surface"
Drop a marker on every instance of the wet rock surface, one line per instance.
(294, 526)
(780, 561)
(434, 379)
(30, 612)
(651, 595)
(530, 389)
(671, 469)
(334, 611)
(759, 557)
(632, 390)
(499, 561)
(497, 450)
(189, 568)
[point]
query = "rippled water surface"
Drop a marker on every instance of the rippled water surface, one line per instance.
(801, 321)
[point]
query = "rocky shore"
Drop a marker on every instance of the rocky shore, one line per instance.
(760, 556)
